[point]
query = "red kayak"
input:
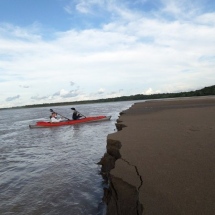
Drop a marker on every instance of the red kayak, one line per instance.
(44, 124)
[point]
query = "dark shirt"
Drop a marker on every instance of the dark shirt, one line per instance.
(75, 115)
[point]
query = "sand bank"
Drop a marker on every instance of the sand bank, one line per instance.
(163, 158)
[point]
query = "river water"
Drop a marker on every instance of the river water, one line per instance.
(53, 171)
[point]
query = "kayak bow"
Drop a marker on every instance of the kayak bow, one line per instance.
(44, 124)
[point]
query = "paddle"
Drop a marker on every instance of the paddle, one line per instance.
(78, 112)
(59, 114)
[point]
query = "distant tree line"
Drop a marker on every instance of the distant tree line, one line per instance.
(203, 92)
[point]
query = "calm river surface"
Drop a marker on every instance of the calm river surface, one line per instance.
(53, 171)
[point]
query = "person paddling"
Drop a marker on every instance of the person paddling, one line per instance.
(76, 115)
(53, 118)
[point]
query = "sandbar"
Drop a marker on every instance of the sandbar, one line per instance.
(168, 154)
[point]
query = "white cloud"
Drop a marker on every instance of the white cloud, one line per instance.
(101, 91)
(150, 91)
(134, 51)
(63, 93)
(206, 19)
(66, 94)
(84, 7)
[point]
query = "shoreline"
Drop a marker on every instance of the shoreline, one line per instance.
(161, 160)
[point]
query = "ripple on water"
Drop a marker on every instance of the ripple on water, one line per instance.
(53, 171)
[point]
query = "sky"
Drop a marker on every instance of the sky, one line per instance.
(72, 50)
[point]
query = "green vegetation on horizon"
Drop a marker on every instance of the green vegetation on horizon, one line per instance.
(202, 92)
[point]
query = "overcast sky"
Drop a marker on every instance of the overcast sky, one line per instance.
(70, 50)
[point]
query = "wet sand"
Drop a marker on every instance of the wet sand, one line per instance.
(168, 155)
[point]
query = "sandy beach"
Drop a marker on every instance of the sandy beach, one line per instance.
(167, 158)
